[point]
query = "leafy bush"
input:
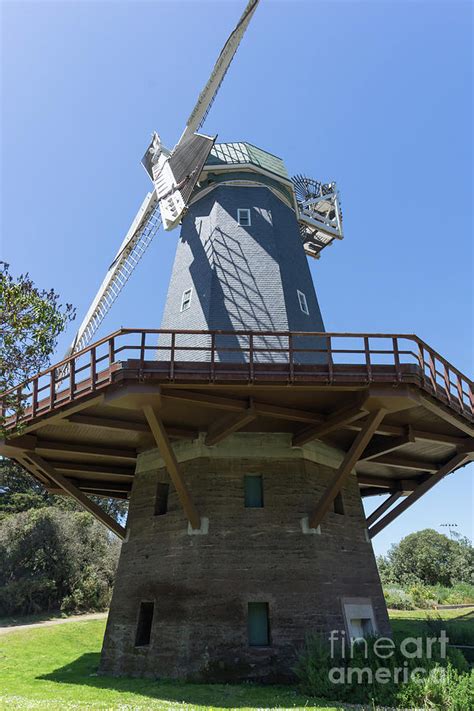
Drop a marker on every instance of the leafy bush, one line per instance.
(397, 598)
(51, 558)
(352, 677)
(442, 688)
(423, 596)
(419, 596)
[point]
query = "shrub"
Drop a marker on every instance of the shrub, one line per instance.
(442, 688)
(351, 677)
(50, 558)
(423, 596)
(397, 598)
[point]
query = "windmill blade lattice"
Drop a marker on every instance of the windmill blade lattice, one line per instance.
(144, 227)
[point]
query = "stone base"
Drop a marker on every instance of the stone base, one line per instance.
(201, 585)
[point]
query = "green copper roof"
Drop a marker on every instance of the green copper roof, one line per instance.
(234, 153)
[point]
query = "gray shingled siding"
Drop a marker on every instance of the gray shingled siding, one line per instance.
(243, 278)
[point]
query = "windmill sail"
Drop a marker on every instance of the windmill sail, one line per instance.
(208, 94)
(174, 176)
(142, 230)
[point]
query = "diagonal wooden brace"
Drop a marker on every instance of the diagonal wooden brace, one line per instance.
(384, 506)
(166, 450)
(338, 419)
(457, 461)
(347, 465)
(64, 484)
(224, 427)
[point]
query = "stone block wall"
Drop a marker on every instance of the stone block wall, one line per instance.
(201, 584)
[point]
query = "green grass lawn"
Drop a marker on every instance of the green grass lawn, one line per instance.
(55, 668)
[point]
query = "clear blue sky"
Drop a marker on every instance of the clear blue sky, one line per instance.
(377, 95)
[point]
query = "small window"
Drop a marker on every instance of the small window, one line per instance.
(243, 217)
(161, 498)
(360, 619)
(339, 504)
(186, 299)
(361, 627)
(258, 624)
(145, 619)
(303, 302)
(253, 491)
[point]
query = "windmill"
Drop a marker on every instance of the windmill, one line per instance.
(244, 436)
(175, 173)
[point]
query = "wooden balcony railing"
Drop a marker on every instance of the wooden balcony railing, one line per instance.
(252, 356)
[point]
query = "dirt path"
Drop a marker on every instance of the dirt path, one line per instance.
(55, 621)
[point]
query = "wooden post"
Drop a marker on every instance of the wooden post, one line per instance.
(223, 427)
(421, 489)
(172, 465)
(63, 483)
(348, 463)
(383, 507)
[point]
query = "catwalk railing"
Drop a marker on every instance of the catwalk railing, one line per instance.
(249, 356)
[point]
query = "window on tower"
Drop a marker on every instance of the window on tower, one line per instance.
(145, 620)
(161, 498)
(303, 302)
(253, 491)
(186, 299)
(243, 217)
(258, 624)
(338, 504)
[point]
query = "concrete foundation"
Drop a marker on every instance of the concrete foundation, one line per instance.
(200, 583)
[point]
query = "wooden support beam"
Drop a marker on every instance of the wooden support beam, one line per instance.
(96, 485)
(346, 467)
(262, 409)
(374, 480)
(458, 421)
(389, 483)
(373, 491)
(221, 403)
(114, 423)
(224, 427)
(110, 470)
(385, 445)
(55, 417)
(166, 450)
(39, 464)
(393, 460)
(181, 432)
(384, 506)
(109, 423)
(457, 461)
(83, 448)
(399, 430)
(333, 422)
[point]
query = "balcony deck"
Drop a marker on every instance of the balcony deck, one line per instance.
(84, 417)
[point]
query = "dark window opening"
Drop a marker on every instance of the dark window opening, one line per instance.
(161, 498)
(258, 623)
(339, 504)
(145, 619)
(253, 491)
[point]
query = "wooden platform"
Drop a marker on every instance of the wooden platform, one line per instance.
(83, 421)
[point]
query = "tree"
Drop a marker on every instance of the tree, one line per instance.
(51, 559)
(429, 557)
(31, 320)
(19, 491)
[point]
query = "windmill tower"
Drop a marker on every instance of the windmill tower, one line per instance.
(243, 435)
